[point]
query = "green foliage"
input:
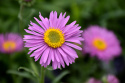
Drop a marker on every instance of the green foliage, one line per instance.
(58, 79)
(28, 70)
(22, 74)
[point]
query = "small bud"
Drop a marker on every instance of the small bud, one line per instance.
(27, 2)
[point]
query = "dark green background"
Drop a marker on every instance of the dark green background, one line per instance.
(106, 13)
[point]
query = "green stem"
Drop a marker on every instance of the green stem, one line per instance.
(11, 67)
(42, 75)
(20, 18)
(32, 64)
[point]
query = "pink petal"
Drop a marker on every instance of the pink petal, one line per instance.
(38, 28)
(55, 20)
(44, 56)
(52, 55)
(34, 33)
(40, 22)
(49, 57)
(40, 49)
(56, 56)
(69, 51)
(64, 55)
(34, 41)
(75, 29)
(54, 64)
(38, 56)
(59, 20)
(29, 51)
(69, 26)
(73, 45)
(34, 48)
(73, 40)
(63, 22)
(51, 19)
(31, 37)
(61, 59)
(32, 44)
(45, 21)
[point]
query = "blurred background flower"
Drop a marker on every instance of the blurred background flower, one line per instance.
(101, 43)
(10, 43)
(93, 80)
(110, 79)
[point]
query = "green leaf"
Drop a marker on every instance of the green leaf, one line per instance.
(28, 70)
(33, 66)
(49, 68)
(22, 74)
(57, 79)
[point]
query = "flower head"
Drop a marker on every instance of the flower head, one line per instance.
(93, 80)
(52, 40)
(101, 43)
(110, 79)
(10, 43)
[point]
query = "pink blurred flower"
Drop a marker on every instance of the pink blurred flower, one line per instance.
(51, 40)
(10, 43)
(101, 43)
(112, 79)
(93, 80)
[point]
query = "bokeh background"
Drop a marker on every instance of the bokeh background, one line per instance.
(106, 13)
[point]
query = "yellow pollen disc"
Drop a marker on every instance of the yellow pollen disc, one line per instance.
(99, 44)
(9, 46)
(54, 37)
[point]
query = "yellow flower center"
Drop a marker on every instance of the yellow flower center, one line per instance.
(54, 37)
(99, 44)
(9, 46)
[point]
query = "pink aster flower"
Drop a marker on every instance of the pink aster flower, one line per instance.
(101, 43)
(93, 80)
(52, 40)
(10, 43)
(112, 79)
